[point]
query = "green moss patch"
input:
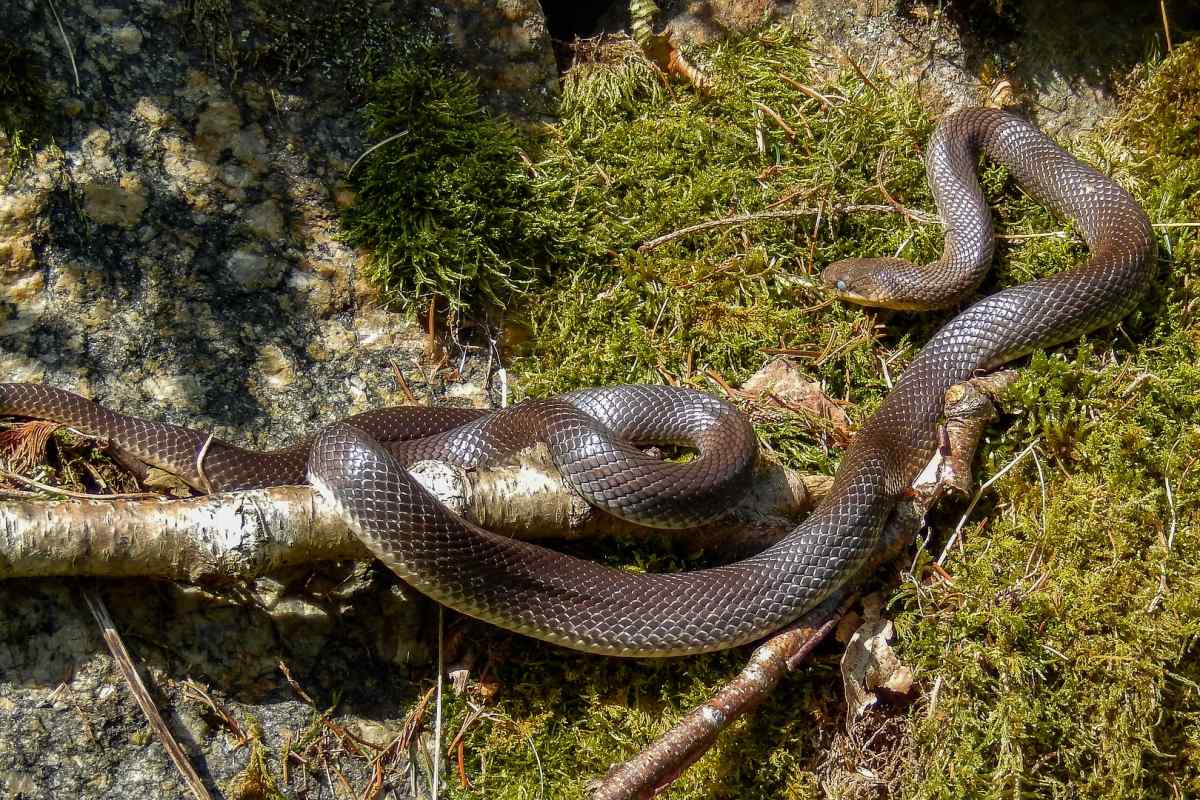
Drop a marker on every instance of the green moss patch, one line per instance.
(1065, 651)
(448, 204)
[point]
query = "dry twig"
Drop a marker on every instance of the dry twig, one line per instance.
(792, 213)
(112, 638)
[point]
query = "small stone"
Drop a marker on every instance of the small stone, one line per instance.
(180, 391)
(236, 177)
(150, 111)
(375, 733)
(17, 213)
(185, 166)
(357, 389)
(312, 290)
(28, 314)
(475, 395)
(96, 142)
(379, 330)
(277, 370)
(115, 203)
(21, 369)
(216, 127)
(250, 147)
(24, 290)
(254, 270)
(265, 220)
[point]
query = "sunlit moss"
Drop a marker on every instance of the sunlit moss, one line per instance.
(1066, 649)
(448, 204)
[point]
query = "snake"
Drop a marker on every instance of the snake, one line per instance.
(357, 464)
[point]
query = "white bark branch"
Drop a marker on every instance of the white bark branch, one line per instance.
(235, 536)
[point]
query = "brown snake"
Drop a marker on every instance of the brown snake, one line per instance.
(589, 607)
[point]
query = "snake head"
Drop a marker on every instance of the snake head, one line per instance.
(870, 282)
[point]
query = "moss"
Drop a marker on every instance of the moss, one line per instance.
(447, 205)
(1067, 646)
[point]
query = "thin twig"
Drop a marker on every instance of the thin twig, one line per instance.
(372, 149)
(787, 129)
(792, 213)
(1017, 237)
(1170, 540)
(404, 387)
(664, 759)
(437, 712)
(808, 90)
(978, 494)
(858, 70)
(1037, 462)
(67, 42)
(537, 759)
(1162, 6)
(883, 189)
(113, 639)
(12, 476)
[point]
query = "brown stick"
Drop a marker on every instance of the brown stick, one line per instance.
(653, 769)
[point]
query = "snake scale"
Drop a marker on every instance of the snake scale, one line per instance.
(582, 605)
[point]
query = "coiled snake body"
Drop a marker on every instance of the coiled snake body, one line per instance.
(589, 607)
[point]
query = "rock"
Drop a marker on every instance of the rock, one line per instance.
(252, 270)
(265, 220)
(277, 370)
(116, 203)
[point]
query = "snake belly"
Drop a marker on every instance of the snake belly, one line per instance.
(589, 607)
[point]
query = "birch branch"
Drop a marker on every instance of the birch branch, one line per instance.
(235, 536)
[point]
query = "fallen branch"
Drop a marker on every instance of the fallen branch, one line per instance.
(236, 536)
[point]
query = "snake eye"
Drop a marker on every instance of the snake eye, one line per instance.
(841, 285)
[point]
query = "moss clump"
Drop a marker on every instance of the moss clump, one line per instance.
(448, 204)
(1071, 638)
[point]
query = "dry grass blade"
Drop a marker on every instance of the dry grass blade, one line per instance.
(979, 494)
(113, 639)
(67, 42)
